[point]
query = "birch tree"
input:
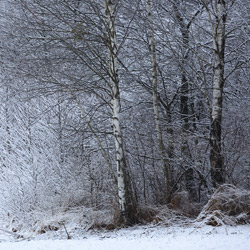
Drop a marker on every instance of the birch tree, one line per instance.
(85, 32)
(217, 14)
(225, 27)
(126, 202)
(218, 30)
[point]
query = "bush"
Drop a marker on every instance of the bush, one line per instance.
(228, 205)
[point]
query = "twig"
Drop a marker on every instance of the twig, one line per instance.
(68, 236)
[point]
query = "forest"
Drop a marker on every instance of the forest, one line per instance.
(122, 107)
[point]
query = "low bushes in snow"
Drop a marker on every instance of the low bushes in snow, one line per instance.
(181, 202)
(228, 205)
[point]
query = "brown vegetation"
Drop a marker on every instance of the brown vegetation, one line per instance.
(181, 202)
(228, 205)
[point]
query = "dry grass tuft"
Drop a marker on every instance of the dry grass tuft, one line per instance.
(228, 205)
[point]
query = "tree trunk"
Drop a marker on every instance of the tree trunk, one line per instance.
(187, 162)
(218, 32)
(126, 201)
(164, 162)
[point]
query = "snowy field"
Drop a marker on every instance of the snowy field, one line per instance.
(140, 238)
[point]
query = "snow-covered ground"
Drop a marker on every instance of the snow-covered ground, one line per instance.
(140, 238)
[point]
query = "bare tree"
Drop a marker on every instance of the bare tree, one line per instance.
(165, 162)
(125, 196)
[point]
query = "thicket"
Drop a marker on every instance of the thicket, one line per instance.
(57, 136)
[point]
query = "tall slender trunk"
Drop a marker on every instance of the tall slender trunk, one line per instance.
(184, 107)
(7, 117)
(216, 156)
(60, 130)
(126, 201)
(165, 163)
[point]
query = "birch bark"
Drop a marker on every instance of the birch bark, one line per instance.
(218, 31)
(126, 203)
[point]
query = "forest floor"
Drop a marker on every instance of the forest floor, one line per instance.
(190, 236)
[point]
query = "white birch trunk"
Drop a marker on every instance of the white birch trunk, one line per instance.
(165, 164)
(216, 157)
(122, 179)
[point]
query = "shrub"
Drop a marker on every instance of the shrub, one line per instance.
(228, 205)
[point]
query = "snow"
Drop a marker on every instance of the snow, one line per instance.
(142, 238)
